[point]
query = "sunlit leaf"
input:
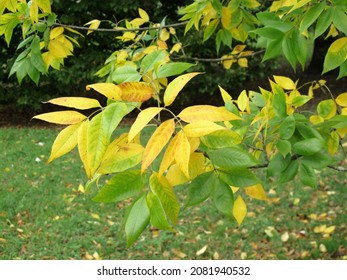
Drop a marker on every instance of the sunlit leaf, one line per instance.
(136, 91)
(206, 113)
(65, 141)
(143, 118)
(156, 143)
(341, 99)
(239, 209)
(201, 128)
(285, 82)
(109, 90)
(257, 191)
(61, 117)
(176, 86)
(158, 217)
(81, 103)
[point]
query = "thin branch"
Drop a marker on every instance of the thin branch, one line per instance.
(338, 168)
(218, 59)
(120, 29)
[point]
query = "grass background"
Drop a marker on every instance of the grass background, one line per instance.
(43, 215)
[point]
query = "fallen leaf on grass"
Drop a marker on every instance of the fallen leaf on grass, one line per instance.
(3, 240)
(322, 248)
(95, 216)
(179, 253)
(201, 251)
(285, 236)
(216, 256)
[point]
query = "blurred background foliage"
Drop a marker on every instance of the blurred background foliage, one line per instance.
(80, 69)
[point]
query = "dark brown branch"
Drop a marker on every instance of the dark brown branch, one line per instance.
(121, 29)
(217, 59)
(338, 168)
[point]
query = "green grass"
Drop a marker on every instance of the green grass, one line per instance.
(44, 216)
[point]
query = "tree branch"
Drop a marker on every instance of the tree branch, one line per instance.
(120, 29)
(338, 168)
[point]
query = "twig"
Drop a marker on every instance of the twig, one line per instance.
(120, 29)
(338, 168)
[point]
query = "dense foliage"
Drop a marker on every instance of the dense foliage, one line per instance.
(216, 152)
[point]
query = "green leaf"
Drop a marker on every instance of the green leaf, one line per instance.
(161, 187)
(284, 147)
(158, 216)
(277, 164)
(287, 127)
(327, 109)
(223, 198)
(318, 160)
(288, 51)
(269, 33)
(221, 139)
(136, 220)
(151, 60)
(307, 175)
(324, 21)
(231, 158)
(311, 16)
(343, 70)
(336, 55)
(225, 37)
(210, 29)
(25, 42)
(300, 47)
(279, 104)
(200, 188)
(125, 73)
(239, 178)
(308, 132)
(121, 186)
(289, 173)
(340, 19)
(273, 49)
(308, 147)
(173, 69)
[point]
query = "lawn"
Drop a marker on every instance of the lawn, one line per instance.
(44, 214)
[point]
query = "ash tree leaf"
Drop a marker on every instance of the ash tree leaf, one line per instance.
(336, 55)
(121, 186)
(136, 91)
(221, 139)
(289, 173)
(308, 147)
(206, 113)
(61, 117)
(312, 15)
(318, 160)
(231, 158)
(323, 22)
(279, 104)
(200, 188)
(81, 103)
(136, 220)
(307, 175)
(162, 188)
(158, 217)
(174, 87)
(284, 147)
(125, 73)
(156, 143)
(287, 127)
(109, 90)
(201, 128)
(239, 210)
(239, 177)
(182, 153)
(223, 198)
(149, 61)
(173, 69)
(65, 141)
(257, 191)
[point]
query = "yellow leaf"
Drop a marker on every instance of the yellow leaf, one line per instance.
(121, 158)
(243, 62)
(201, 251)
(95, 216)
(243, 101)
(34, 11)
(55, 32)
(341, 99)
(164, 35)
(175, 176)
(285, 82)
(136, 91)
(234, 189)
(201, 128)
(96, 256)
(238, 49)
(333, 142)
(81, 188)
(196, 165)
(93, 24)
(239, 209)
(332, 32)
(226, 96)
(109, 90)
(65, 141)
(143, 14)
(226, 17)
(206, 113)
(176, 86)
(83, 147)
(285, 236)
(228, 61)
(256, 191)
(57, 49)
(176, 48)
(81, 103)
(169, 156)
(156, 143)
(315, 119)
(194, 144)
(143, 118)
(182, 153)
(61, 117)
